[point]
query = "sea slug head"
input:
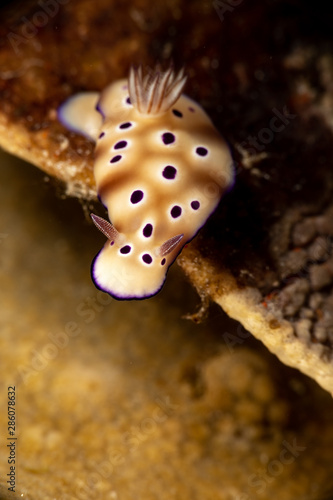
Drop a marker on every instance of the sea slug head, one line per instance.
(128, 268)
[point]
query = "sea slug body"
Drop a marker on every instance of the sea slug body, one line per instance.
(161, 168)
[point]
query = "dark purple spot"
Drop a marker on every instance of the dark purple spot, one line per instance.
(177, 113)
(125, 249)
(147, 230)
(102, 134)
(168, 138)
(201, 151)
(112, 243)
(192, 110)
(115, 159)
(147, 258)
(120, 145)
(136, 196)
(163, 261)
(125, 125)
(128, 100)
(176, 211)
(169, 172)
(195, 205)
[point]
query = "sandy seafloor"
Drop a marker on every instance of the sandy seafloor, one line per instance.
(127, 400)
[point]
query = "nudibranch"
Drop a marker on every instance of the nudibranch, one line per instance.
(161, 168)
